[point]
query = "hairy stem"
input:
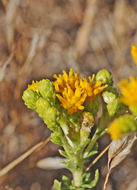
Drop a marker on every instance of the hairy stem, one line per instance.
(77, 177)
(92, 143)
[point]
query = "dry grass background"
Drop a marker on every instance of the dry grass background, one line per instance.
(39, 38)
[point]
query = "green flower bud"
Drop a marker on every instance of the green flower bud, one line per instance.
(46, 90)
(51, 118)
(105, 77)
(112, 102)
(41, 106)
(30, 98)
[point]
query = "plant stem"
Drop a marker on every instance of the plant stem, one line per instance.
(66, 145)
(91, 144)
(77, 177)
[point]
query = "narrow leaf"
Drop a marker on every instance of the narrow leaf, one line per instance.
(57, 185)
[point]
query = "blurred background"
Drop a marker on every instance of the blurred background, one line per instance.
(39, 38)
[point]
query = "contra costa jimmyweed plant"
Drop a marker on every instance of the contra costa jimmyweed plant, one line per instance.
(69, 106)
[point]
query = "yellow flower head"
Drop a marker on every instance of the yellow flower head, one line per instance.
(134, 53)
(129, 91)
(72, 90)
(114, 130)
(122, 125)
(33, 86)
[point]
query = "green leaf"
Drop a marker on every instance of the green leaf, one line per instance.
(101, 132)
(63, 153)
(66, 181)
(71, 188)
(93, 151)
(90, 154)
(92, 183)
(55, 138)
(86, 177)
(57, 185)
(70, 165)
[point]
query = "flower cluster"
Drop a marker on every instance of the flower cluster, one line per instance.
(69, 106)
(72, 90)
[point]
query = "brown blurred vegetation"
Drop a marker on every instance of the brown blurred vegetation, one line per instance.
(39, 38)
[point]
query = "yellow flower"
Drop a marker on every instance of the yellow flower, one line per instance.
(33, 86)
(72, 90)
(114, 130)
(122, 125)
(129, 91)
(134, 53)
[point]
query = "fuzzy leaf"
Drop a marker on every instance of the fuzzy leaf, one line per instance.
(55, 138)
(86, 177)
(57, 185)
(101, 132)
(63, 153)
(92, 183)
(70, 165)
(93, 151)
(66, 181)
(90, 154)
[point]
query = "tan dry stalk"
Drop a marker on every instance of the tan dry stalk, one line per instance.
(97, 158)
(81, 42)
(14, 163)
(5, 4)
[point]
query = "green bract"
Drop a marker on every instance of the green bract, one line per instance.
(46, 90)
(41, 106)
(105, 77)
(112, 102)
(30, 98)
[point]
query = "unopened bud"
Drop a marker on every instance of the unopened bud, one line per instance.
(46, 90)
(105, 77)
(30, 98)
